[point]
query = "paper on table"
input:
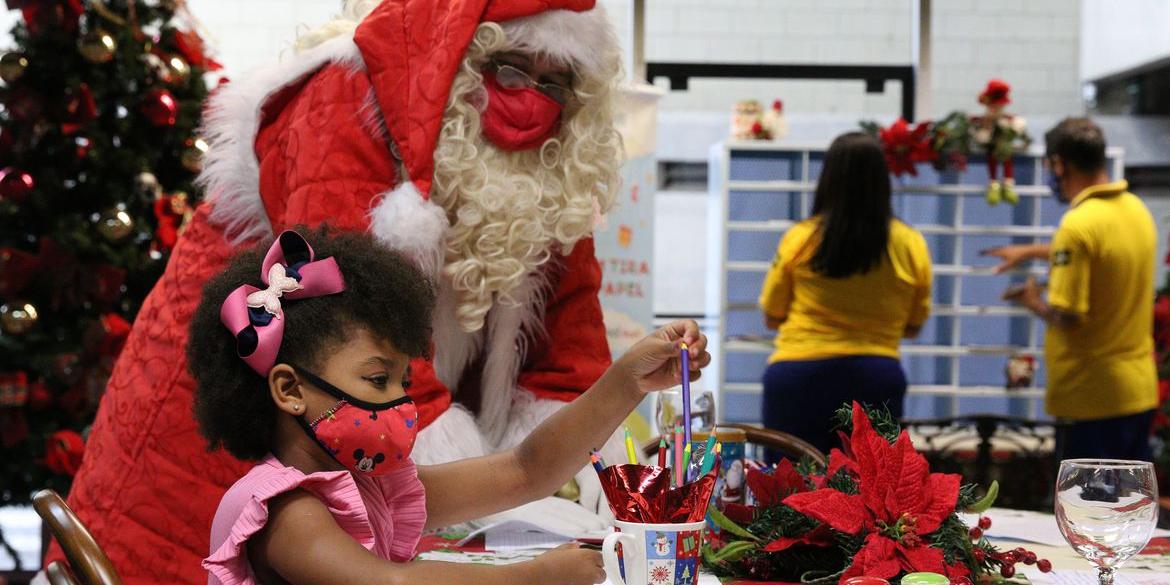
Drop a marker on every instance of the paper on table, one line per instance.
(1090, 578)
(511, 535)
(1035, 527)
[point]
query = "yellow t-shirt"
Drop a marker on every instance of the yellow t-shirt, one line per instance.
(863, 314)
(1102, 269)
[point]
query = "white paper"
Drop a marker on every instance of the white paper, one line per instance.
(1026, 526)
(1089, 577)
(514, 535)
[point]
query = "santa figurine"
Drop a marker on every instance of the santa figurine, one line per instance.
(1000, 134)
(774, 122)
(476, 138)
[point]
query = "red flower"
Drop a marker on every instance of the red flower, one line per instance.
(905, 147)
(819, 536)
(900, 502)
(770, 489)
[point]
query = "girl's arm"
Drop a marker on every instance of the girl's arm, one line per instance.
(559, 447)
(302, 543)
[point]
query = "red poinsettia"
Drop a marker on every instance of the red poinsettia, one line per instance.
(770, 489)
(900, 502)
(905, 147)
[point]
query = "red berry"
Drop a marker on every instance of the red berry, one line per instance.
(1029, 558)
(980, 555)
(1007, 570)
(976, 533)
(1044, 565)
(1009, 557)
(985, 522)
(1020, 551)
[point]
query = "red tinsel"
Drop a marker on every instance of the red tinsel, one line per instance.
(642, 493)
(63, 451)
(904, 147)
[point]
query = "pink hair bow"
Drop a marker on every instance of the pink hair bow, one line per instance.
(255, 316)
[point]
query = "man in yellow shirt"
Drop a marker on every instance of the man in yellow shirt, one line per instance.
(1099, 348)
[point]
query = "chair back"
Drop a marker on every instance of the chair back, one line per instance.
(58, 574)
(88, 564)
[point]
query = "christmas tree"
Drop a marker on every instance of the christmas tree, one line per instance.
(99, 114)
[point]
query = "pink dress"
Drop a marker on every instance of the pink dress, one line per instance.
(385, 514)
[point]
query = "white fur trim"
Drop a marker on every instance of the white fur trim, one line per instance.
(231, 173)
(526, 414)
(510, 327)
(412, 225)
(453, 436)
(584, 40)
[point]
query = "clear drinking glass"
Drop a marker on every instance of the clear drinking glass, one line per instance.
(668, 411)
(1106, 509)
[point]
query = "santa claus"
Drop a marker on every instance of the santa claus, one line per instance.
(475, 136)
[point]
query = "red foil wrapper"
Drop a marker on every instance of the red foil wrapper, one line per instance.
(642, 493)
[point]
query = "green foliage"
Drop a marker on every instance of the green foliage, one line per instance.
(883, 422)
(82, 175)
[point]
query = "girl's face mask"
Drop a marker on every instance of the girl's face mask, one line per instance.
(365, 437)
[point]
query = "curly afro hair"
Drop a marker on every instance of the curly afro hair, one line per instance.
(385, 294)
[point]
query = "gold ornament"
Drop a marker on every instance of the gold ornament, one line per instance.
(115, 225)
(12, 66)
(18, 317)
(179, 70)
(193, 151)
(97, 46)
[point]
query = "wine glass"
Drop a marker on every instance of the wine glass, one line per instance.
(1106, 509)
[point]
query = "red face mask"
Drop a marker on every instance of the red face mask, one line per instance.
(518, 119)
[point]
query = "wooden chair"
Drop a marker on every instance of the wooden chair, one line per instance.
(783, 443)
(87, 565)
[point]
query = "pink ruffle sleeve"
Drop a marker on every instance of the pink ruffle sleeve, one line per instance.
(384, 514)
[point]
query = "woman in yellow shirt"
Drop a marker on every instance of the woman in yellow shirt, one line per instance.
(846, 285)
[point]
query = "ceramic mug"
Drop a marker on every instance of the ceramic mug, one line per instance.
(653, 554)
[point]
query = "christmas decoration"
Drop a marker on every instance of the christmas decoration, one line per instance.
(773, 121)
(63, 452)
(89, 139)
(160, 108)
(905, 147)
(97, 46)
(172, 212)
(193, 152)
(875, 511)
(13, 66)
(999, 134)
(15, 184)
(17, 318)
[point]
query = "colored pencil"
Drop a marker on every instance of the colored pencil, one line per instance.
(686, 392)
(686, 466)
(678, 455)
(596, 459)
(662, 452)
(708, 454)
(631, 452)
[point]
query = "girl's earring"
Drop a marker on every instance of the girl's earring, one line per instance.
(297, 407)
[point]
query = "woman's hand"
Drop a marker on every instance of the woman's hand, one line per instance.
(655, 363)
(571, 565)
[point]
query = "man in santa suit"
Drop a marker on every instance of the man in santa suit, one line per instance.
(476, 137)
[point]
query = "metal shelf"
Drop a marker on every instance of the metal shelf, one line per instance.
(956, 190)
(780, 225)
(926, 390)
(939, 269)
(765, 346)
(935, 311)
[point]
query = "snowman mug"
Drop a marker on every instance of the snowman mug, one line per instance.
(653, 554)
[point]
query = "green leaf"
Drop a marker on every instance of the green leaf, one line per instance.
(726, 524)
(982, 505)
(734, 551)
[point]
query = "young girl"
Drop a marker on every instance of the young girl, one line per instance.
(301, 355)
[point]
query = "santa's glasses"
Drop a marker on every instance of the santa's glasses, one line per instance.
(513, 78)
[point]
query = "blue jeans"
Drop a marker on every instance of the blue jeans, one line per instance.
(802, 397)
(1120, 437)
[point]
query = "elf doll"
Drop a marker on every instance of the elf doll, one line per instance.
(999, 133)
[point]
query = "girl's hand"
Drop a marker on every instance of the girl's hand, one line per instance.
(571, 565)
(654, 363)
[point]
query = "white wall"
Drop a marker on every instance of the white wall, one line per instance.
(1120, 35)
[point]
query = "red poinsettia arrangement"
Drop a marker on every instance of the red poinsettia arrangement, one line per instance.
(905, 146)
(876, 510)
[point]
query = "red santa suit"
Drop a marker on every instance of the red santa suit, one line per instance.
(345, 134)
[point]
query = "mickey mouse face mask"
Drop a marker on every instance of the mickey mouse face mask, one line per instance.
(365, 437)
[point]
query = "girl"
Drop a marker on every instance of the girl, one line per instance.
(845, 287)
(300, 354)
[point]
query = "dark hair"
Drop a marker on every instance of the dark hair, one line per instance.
(853, 200)
(1078, 142)
(385, 294)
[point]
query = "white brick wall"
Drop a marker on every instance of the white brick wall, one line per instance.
(1034, 45)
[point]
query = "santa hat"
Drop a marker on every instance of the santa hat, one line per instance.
(996, 93)
(411, 50)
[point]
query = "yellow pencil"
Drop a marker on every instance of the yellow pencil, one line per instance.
(630, 451)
